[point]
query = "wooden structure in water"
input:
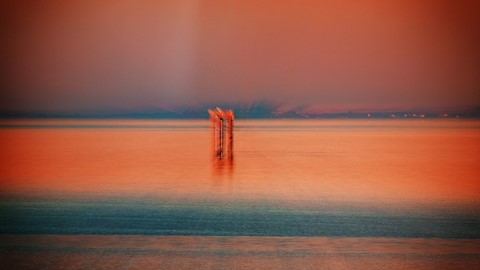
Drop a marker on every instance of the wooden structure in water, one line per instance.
(222, 126)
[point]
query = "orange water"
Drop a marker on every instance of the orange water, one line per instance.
(286, 161)
(303, 165)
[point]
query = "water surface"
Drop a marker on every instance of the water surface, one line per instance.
(319, 185)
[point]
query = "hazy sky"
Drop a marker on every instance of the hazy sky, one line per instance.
(321, 55)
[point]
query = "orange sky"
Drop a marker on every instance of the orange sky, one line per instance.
(111, 55)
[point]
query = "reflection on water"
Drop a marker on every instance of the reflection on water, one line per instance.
(310, 162)
(223, 167)
(326, 180)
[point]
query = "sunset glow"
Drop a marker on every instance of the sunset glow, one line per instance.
(343, 134)
(145, 163)
(90, 56)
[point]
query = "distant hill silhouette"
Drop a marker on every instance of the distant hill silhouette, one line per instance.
(256, 110)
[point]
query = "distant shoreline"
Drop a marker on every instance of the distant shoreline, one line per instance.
(241, 115)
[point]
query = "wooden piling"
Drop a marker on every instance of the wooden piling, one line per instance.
(222, 126)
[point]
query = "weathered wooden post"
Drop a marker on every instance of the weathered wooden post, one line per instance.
(222, 125)
(229, 132)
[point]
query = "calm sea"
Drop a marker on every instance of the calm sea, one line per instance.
(319, 194)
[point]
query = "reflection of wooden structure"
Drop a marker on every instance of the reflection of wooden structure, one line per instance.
(222, 125)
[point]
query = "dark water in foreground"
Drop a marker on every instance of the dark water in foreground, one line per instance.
(333, 194)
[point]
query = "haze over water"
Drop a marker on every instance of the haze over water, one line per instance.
(326, 193)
